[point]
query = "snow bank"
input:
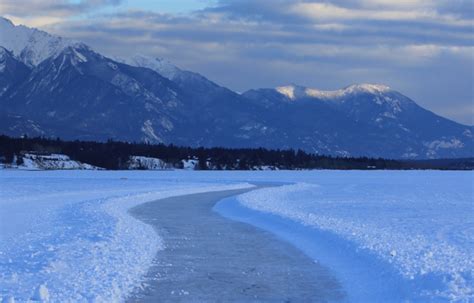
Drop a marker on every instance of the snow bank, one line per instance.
(147, 163)
(421, 224)
(51, 162)
(190, 164)
(68, 237)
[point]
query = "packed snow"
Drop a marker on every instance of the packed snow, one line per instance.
(67, 237)
(414, 231)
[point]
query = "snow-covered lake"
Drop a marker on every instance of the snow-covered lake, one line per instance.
(385, 234)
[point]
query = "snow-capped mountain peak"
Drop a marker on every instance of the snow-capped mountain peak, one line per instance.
(294, 92)
(161, 66)
(30, 45)
(367, 88)
(289, 91)
(77, 53)
(376, 98)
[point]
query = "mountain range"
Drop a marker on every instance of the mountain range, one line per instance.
(56, 87)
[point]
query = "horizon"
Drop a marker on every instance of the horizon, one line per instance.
(434, 67)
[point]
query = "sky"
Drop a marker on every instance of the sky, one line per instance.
(422, 48)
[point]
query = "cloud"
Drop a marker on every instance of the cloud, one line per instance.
(24, 8)
(45, 12)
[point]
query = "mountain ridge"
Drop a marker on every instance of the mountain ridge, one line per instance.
(78, 93)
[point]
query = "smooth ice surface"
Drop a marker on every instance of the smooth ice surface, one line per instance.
(67, 236)
(421, 224)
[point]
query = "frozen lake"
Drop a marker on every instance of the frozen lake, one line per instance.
(390, 236)
(68, 232)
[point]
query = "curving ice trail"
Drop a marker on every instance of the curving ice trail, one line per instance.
(211, 259)
(420, 225)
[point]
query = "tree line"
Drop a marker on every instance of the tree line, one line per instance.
(114, 155)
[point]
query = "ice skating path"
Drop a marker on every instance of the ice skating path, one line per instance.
(212, 259)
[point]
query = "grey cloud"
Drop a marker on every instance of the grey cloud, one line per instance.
(461, 8)
(224, 30)
(52, 8)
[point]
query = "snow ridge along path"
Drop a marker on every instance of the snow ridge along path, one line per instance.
(68, 237)
(209, 258)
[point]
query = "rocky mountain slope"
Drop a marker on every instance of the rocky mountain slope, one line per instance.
(363, 117)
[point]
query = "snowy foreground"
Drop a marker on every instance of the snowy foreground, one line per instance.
(66, 236)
